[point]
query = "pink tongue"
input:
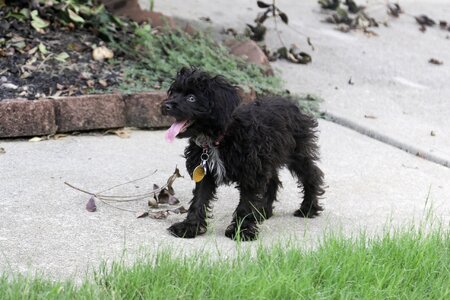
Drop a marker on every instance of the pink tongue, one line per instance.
(174, 130)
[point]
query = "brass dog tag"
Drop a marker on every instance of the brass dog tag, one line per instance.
(199, 173)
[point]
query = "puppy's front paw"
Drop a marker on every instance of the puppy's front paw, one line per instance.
(246, 231)
(187, 230)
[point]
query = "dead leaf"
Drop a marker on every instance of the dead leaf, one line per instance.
(102, 53)
(432, 133)
(257, 32)
(122, 133)
(90, 205)
(284, 18)
(425, 20)
(36, 139)
(179, 210)
(10, 86)
(369, 117)
(308, 40)
(173, 200)
(153, 203)
(158, 215)
(394, 9)
(90, 83)
(59, 136)
(62, 57)
(262, 4)
(443, 24)
(434, 61)
(171, 179)
(103, 83)
(163, 196)
(350, 82)
(2, 150)
(142, 214)
(329, 4)
(206, 19)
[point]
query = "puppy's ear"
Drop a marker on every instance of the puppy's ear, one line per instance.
(224, 97)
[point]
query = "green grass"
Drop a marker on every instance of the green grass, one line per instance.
(400, 265)
(155, 58)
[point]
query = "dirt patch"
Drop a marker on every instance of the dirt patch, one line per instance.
(55, 63)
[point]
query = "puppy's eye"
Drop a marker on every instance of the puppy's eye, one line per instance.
(191, 98)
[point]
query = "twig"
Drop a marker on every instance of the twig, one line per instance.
(120, 208)
(108, 189)
(127, 198)
(78, 189)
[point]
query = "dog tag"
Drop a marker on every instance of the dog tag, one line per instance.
(199, 173)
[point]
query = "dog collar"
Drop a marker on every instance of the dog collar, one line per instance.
(219, 139)
(206, 142)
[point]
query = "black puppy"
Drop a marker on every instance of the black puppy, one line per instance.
(246, 145)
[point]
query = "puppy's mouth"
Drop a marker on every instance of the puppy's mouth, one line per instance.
(176, 128)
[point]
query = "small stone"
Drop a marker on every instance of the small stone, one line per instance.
(10, 86)
(103, 83)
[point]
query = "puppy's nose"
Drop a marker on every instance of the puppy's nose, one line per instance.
(168, 106)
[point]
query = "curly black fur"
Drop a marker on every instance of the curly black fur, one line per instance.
(253, 142)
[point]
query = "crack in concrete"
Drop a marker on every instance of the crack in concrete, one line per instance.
(385, 139)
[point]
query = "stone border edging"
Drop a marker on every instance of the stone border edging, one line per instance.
(25, 118)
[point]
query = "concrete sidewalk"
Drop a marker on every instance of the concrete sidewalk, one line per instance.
(44, 225)
(404, 96)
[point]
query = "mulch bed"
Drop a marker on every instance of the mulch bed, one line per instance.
(27, 70)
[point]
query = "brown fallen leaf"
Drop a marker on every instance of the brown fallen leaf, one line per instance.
(158, 215)
(394, 9)
(122, 133)
(57, 136)
(90, 205)
(90, 83)
(171, 179)
(425, 20)
(434, 61)
(173, 200)
(153, 203)
(142, 214)
(163, 196)
(103, 83)
(179, 210)
(102, 53)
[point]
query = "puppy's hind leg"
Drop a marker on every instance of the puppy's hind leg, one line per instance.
(252, 209)
(271, 195)
(195, 222)
(311, 178)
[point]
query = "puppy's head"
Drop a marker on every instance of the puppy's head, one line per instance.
(200, 104)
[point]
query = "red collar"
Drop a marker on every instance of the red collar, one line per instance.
(219, 139)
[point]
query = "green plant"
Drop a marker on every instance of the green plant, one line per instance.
(403, 264)
(155, 57)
